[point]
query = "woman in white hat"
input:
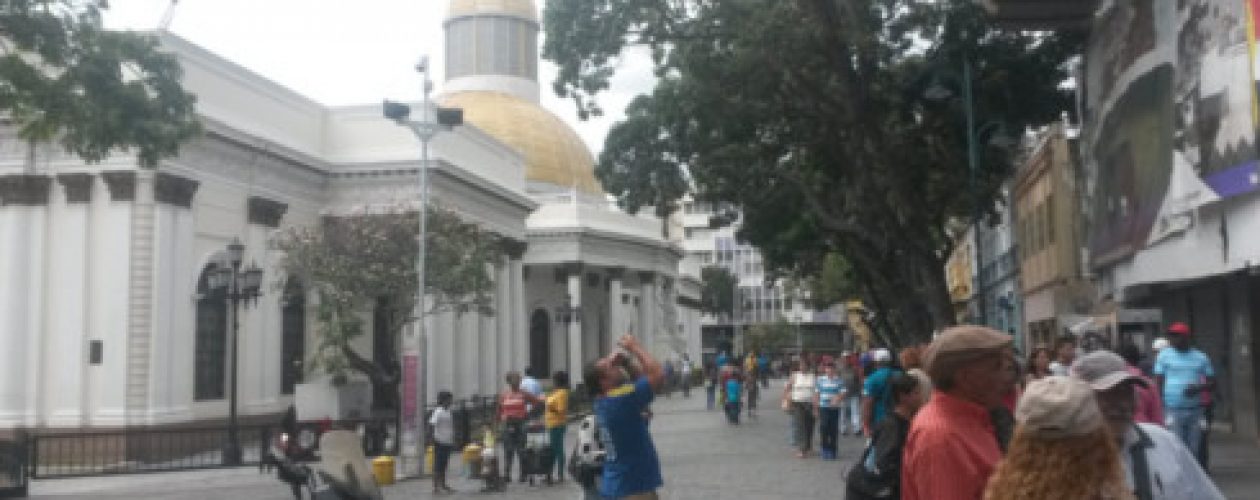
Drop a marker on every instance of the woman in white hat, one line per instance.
(1062, 448)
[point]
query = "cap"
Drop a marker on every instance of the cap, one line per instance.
(958, 345)
(1159, 344)
(1057, 407)
(1179, 328)
(1103, 370)
(881, 355)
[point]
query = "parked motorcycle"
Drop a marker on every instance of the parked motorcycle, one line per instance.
(341, 473)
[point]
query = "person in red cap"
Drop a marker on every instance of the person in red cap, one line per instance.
(1183, 374)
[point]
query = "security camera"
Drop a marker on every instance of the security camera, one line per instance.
(423, 65)
(396, 111)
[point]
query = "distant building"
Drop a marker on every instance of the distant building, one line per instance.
(756, 302)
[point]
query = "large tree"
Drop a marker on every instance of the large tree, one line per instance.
(811, 117)
(64, 77)
(365, 262)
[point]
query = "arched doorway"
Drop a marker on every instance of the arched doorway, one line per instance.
(292, 335)
(540, 341)
(210, 342)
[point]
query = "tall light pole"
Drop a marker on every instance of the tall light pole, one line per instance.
(235, 286)
(425, 129)
(973, 160)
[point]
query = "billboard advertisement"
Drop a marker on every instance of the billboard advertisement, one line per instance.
(1170, 105)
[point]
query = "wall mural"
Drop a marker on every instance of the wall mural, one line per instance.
(1170, 90)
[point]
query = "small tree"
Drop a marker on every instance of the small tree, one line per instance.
(769, 337)
(368, 260)
(64, 77)
(717, 297)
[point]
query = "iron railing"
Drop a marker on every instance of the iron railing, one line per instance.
(131, 451)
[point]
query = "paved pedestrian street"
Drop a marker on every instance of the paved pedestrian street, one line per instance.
(702, 456)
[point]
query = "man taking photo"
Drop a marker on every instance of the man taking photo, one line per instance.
(632, 470)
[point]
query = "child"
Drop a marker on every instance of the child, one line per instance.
(442, 432)
(733, 389)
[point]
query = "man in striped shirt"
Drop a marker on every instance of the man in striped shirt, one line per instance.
(952, 447)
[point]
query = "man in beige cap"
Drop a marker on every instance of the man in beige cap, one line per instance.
(952, 447)
(1157, 466)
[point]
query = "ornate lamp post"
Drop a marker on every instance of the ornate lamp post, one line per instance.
(237, 286)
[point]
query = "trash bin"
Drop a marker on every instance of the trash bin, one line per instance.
(383, 470)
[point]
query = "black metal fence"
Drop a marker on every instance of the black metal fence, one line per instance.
(131, 451)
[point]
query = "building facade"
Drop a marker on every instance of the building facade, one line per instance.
(1052, 286)
(104, 315)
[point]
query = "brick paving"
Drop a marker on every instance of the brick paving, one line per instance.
(703, 458)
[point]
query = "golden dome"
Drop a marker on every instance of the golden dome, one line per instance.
(553, 152)
(517, 8)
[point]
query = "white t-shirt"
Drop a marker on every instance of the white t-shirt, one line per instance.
(802, 387)
(443, 427)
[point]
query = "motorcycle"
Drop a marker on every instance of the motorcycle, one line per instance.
(340, 474)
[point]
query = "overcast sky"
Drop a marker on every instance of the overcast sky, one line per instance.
(340, 52)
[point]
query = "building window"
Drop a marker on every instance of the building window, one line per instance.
(292, 336)
(210, 344)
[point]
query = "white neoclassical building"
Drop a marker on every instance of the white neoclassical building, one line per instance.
(103, 319)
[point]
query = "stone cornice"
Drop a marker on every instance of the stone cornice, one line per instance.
(121, 184)
(174, 190)
(78, 187)
(265, 212)
(24, 189)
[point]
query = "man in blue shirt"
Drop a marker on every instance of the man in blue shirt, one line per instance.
(632, 469)
(1184, 374)
(875, 391)
(763, 369)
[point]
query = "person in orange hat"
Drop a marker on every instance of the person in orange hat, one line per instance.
(1184, 374)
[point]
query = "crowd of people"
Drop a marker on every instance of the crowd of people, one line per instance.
(960, 418)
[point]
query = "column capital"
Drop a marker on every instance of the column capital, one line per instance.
(515, 249)
(571, 268)
(616, 273)
(24, 189)
(78, 186)
(121, 184)
(265, 212)
(174, 190)
(646, 277)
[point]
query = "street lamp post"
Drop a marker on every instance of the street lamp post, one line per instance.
(425, 129)
(236, 286)
(973, 161)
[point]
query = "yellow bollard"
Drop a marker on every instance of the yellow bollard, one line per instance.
(428, 458)
(383, 470)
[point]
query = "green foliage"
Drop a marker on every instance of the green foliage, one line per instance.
(770, 337)
(64, 77)
(368, 260)
(717, 295)
(810, 117)
(834, 283)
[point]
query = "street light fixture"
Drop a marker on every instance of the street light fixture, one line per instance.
(937, 91)
(236, 286)
(425, 129)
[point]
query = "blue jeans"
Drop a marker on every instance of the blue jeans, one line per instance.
(1185, 423)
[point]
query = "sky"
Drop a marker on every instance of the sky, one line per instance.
(341, 52)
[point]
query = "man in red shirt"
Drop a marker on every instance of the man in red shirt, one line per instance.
(952, 447)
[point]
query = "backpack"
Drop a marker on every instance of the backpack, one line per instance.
(586, 462)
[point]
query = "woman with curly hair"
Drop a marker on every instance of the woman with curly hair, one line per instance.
(1038, 364)
(1062, 448)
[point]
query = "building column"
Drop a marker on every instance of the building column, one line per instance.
(573, 273)
(23, 222)
(647, 310)
(616, 308)
(503, 320)
(519, 325)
